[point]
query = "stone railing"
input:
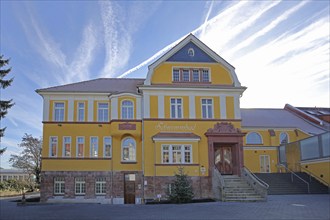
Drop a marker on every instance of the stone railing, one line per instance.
(218, 185)
(258, 185)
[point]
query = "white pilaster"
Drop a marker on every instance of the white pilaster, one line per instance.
(70, 108)
(192, 110)
(46, 109)
(90, 109)
(146, 106)
(114, 108)
(161, 106)
(223, 107)
(138, 108)
(237, 107)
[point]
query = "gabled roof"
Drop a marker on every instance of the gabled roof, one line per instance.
(102, 85)
(203, 47)
(277, 118)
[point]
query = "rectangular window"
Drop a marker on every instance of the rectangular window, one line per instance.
(59, 111)
(94, 147)
(195, 76)
(207, 108)
(127, 109)
(103, 112)
(100, 186)
(53, 147)
(185, 75)
(66, 146)
(205, 76)
(59, 185)
(176, 75)
(176, 108)
(80, 146)
(176, 154)
(80, 186)
(81, 112)
(107, 147)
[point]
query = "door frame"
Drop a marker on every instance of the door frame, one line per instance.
(265, 156)
(125, 191)
(222, 148)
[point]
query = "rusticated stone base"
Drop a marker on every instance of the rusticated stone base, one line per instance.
(202, 186)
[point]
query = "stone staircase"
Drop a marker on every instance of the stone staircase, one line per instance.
(236, 189)
(281, 184)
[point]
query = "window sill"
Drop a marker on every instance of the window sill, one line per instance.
(128, 162)
(177, 164)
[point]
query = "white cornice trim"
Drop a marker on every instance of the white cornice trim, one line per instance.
(176, 139)
(318, 160)
(220, 89)
(259, 148)
(124, 94)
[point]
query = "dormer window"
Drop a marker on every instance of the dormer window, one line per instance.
(191, 75)
(191, 52)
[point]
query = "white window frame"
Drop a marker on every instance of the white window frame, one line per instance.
(128, 108)
(102, 117)
(61, 112)
(79, 117)
(198, 73)
(100, 186)
(104, 147)
(179, 72)
(59, 186)
(208, 75)
(131, 150)
(287, 136)
(65, 138)
(251, 142)
(182, 151)
(206, 106)
(77, 146)
(91, 153)
(79, 186)
(176, 105)
(51, 146)
(183, 76)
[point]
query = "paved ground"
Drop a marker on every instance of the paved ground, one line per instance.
(277, 207)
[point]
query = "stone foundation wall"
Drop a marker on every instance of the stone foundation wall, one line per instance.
(114, 184)
(202, 186)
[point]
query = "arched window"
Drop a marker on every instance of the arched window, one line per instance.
(191, 52)
(127, 109)
(253, 138)
(284, 138)
(128, 149)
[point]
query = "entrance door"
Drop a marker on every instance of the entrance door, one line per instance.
(129, 190)
(223, 160)
(264, 164)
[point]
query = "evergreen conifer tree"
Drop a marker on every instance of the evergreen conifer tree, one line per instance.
(4, 104)
(181, 190)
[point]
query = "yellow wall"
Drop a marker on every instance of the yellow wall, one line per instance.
(90, 130)
(230, 108)
(318, 169)
(252, 159)
(219, 75)
(153, 106)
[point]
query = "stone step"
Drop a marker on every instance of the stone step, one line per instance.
(245, 200)
(241, 194)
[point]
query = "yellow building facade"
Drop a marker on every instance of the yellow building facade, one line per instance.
(122, 140)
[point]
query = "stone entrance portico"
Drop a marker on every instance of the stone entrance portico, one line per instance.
(225, 136)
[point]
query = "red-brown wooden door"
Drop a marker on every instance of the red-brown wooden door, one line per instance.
(223, 159)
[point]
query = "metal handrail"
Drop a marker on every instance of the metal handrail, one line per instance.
(314, 176)
(292, 173)
(257, 178)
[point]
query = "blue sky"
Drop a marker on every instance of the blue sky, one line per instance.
(280, 49)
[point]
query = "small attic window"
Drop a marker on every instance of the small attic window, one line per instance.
(191, 52)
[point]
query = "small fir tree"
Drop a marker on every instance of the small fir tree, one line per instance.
(181, 190)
